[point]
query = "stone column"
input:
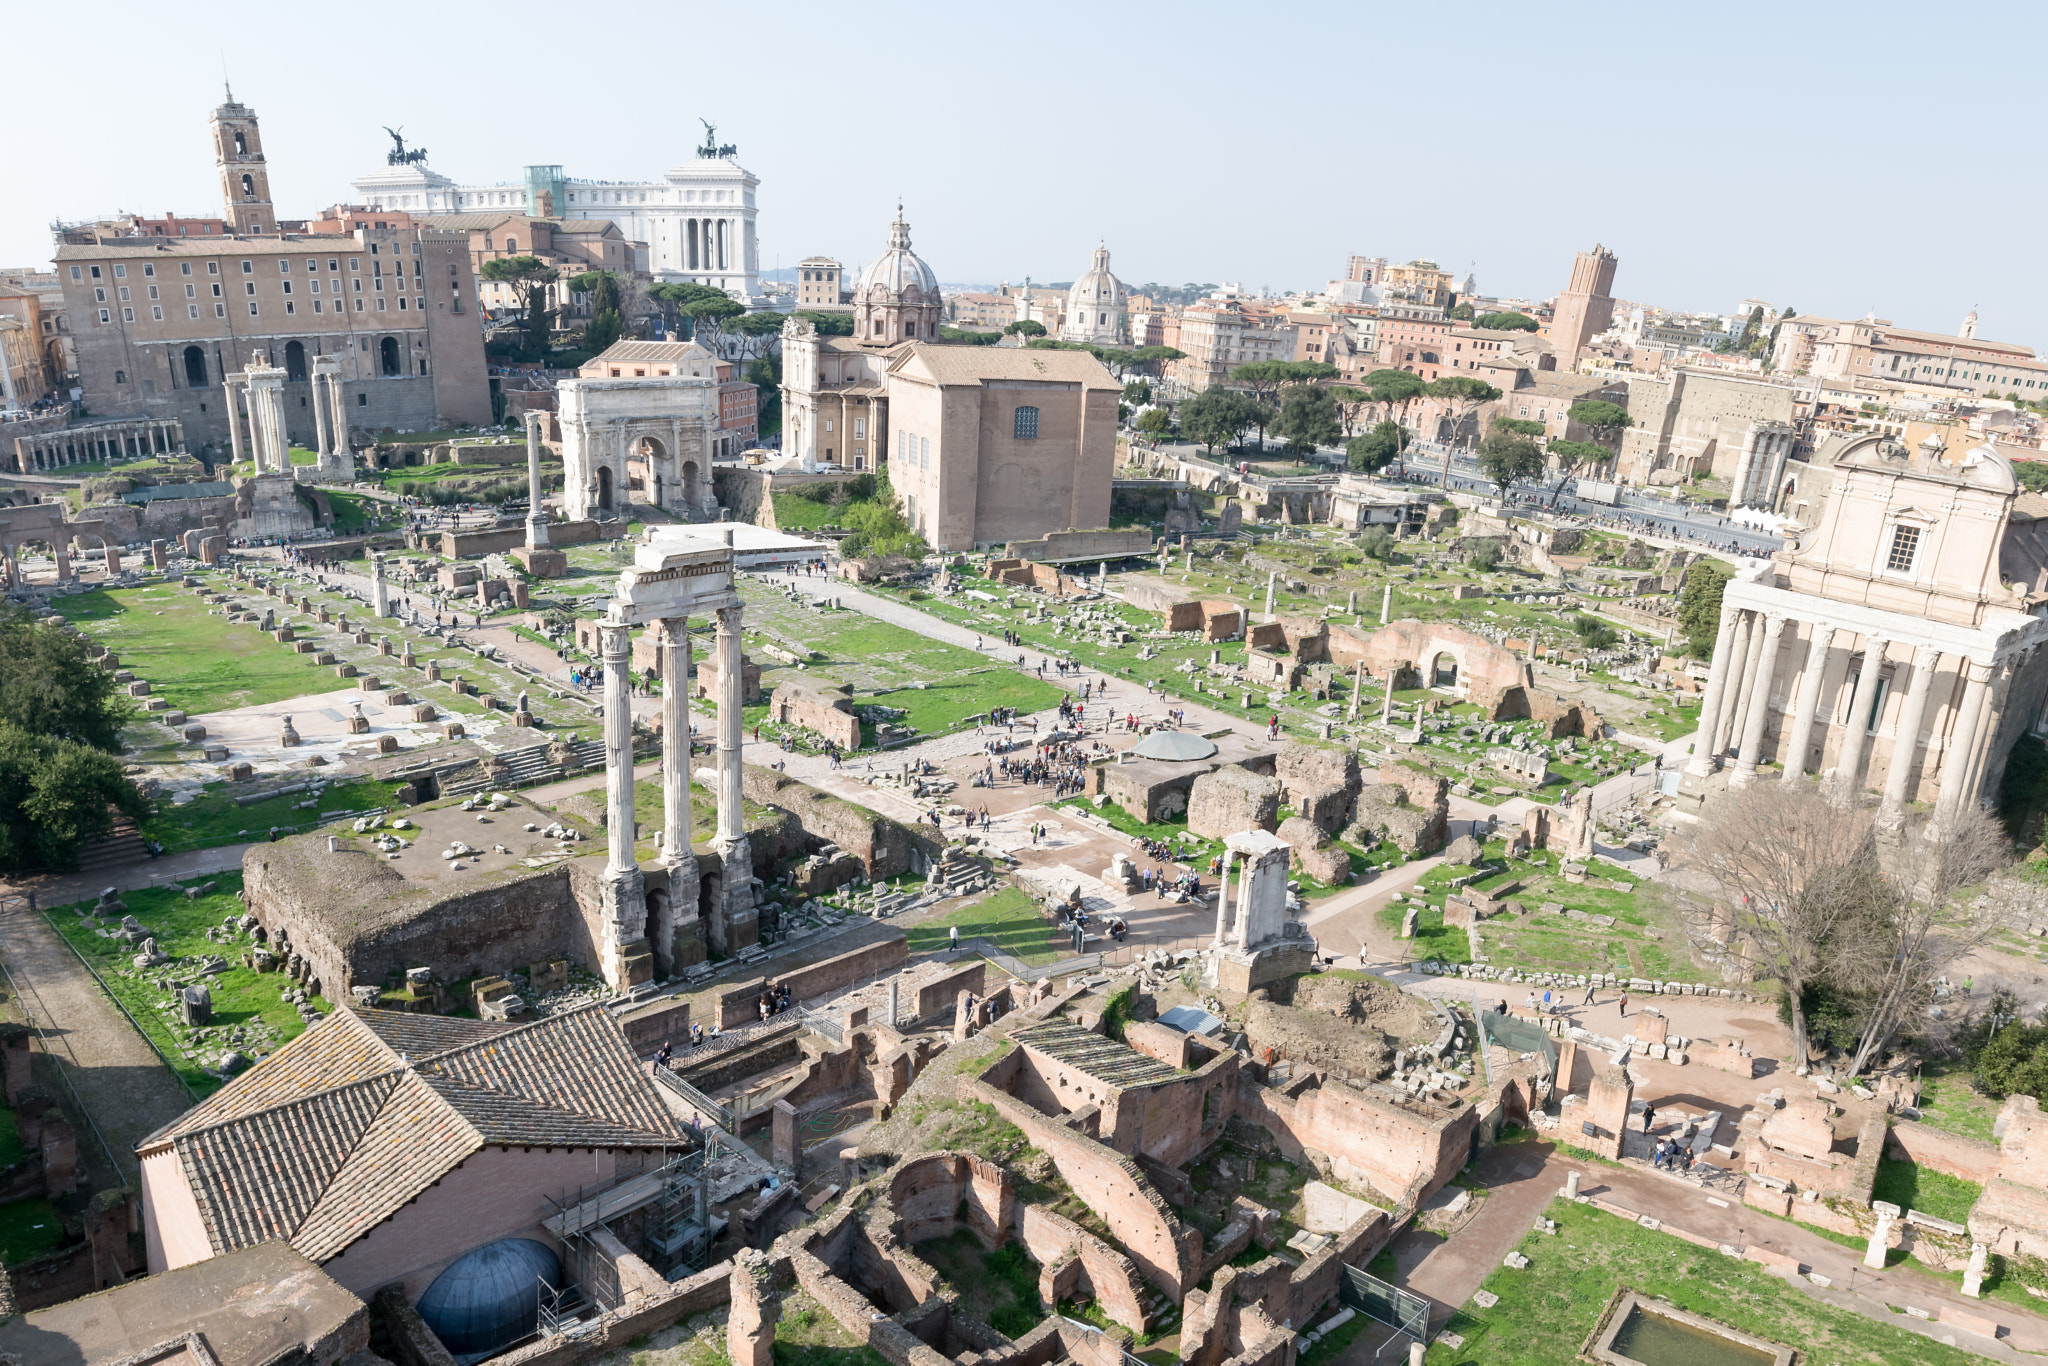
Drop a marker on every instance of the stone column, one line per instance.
(625, 906)
(380, 596)
(1955, 764)
(1759, 710)
(1241, 932)
(536, 515)
(1716, 699)
(729, 704)
(1973, 1276)
(1898, 779)
(1811, 680)
(1223, 899)
(675, 740)
(1386, 603)
(1987, 729)
(229, 387)
(1271, 576)
(1745, 470)
(320, 412)
(1734, 702)
(1849, 761)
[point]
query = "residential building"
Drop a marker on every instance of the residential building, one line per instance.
(53, 325)
(818, 283)
(158, 322)
(979, 312)
(1873, 349)
(1547, 396)
(25, 374)
(1365, 270)
(571, 246)
(1097, 310)
(697, 222)
(1414, 341)
(1218, 335)
(1418, 282)
(995, 444)
(1585, 306)
(1313, 330)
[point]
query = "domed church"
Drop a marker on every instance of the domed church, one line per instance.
(1097, 308)
(897, 298)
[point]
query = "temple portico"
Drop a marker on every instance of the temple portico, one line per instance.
(139, 439)
(662, 590)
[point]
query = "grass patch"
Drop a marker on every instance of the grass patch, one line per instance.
(1006, 917)
(248, 1014)
(1912, 1186)
(1545, 1312)
(212, 818)
(28, 1228)
(1433, 939)
(200, 663)
(1950, 1103)
(11, 1149)
(998, 1288)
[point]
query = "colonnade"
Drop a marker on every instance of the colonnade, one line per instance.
(1735, 711)
(110, 441)
(1761, 466)
(269, 445)
(709, 243)
(330, 418)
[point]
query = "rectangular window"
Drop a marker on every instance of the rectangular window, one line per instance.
(284, 267)
(123, 291)
(149, 270)
(1905, 542)
(248, 267)
(316, 305)
(99, 295)
(924, 452)
(401, 302)
(77, 274)
(314, 286)
(333, 264)
(287, 286)
(355, 263)
(120, 272)
(128, 315)
(105, 316)
(220, 310)
(216, 289)
(191, 310)
(1025, 426)
(152, 292)
(252, 308)
(213, 267)
(191, 291)
(380, 305)
(290, 308)
(156, 312)
(359, 305)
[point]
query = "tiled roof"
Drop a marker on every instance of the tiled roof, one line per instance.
(1107, 1061)
(327, 1137)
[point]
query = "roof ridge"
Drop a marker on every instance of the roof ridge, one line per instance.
(309, 1098)
(517, 1031)
(309, 1039)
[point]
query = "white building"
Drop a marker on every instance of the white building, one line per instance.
(696, 222)
(1097, 307)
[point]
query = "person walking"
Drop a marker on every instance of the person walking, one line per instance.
(1624, 1005)
(1589, 996)
(953, 937)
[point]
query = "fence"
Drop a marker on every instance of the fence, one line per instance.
(1384, 1303)
(1519, 1036)
(820, 1022)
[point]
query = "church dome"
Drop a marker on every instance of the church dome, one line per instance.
(1098, 288)
(899, 268)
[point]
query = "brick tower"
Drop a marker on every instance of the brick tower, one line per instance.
(244, 179)
(1584, 307)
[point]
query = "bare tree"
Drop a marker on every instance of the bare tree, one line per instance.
(1782, 871)
(1917, 925)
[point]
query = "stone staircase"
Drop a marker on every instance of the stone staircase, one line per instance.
(521, 768)
(119, 849)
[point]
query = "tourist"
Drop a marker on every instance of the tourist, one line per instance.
(696, 1035)
(663, 1054)
(1589, 995)
(953, 937)
(1624, 1005)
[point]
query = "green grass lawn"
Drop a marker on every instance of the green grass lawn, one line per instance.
(200, 663)
(998, 1288)
(241, 996)
(11, 1149)
(1433, 940)
(28, 1228)
(1912, 1186)
(212, 818)
(1006, 917)
(1949, 1102)
(803, 514)
(1545, 1312)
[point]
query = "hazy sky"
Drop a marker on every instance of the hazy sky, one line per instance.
(1833, 157)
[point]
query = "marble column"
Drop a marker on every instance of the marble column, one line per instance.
(675, 740)
(1749, 638)
(229, 386)
(1898, 778)
(1987, 729)
(1223, 899)
(1962, 740)
(1759, 711)
(1849, 760)
(623, 887)
(320, 414)
(380, 596)
(536, 514)
(1241, 932)
(1799, 740)
(1716, 699)
(1745, 468)
(729, 703)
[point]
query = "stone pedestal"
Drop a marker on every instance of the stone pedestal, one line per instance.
(1973, 1277)
(541, 563)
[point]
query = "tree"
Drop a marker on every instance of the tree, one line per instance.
(708, 313)
(961, 337)
(1506, 458)
(530, 279)
(56, 796)
(1750, 327)
(1376, 449)
(1027, 328)
(1351, 404)
(1266, 378)
(1699, 605)
(1377, 543)
(50, 686)
(1308, 418)
(1463, 312)
(1593, 633)
(1607, 420)
(765, 374)
(1460, 394)
(1506, 322)
(754, 334)
(1570, 455)
(1155, 422)
(829, 324)
(1219, 416)
(1484, 555)
(2032, 474)
(1137, 391)
(607, 324)
(1520, 426)
(1389, 387)
(1788, 873)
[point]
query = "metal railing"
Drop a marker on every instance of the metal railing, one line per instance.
(714, 1114)
(822, 1023)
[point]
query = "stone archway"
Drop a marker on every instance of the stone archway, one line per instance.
(1442, 671)
(604, 487)
(388, 357)
(195, 367)
(295, 361)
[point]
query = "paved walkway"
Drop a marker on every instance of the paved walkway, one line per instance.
(123, 1086)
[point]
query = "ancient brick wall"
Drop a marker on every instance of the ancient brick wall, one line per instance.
(1174, 1121)
(828, 711)
(1972, 1159)
(1112, 1278)
(735, 1004)
(1389, 1146)
(940, 993)
(882, 845)
(1232, 800)
(633, 1320)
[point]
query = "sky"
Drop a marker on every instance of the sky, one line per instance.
(1835, 158)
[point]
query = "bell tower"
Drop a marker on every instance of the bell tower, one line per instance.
(244, 179)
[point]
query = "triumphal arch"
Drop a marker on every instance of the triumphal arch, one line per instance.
(661, 431)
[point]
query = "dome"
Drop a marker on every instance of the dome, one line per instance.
(1097, 288)
(1173, 746)
(489, 1298)
(899, 268)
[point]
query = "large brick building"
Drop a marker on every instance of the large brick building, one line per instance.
(158, 320)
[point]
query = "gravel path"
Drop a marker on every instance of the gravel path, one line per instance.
(118, 1078)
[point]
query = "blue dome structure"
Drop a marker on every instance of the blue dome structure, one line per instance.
(489, 1298)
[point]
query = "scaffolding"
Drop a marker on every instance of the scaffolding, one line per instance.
(676, 1233)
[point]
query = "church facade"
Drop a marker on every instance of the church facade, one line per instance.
(1898, 650)
(1098, 308)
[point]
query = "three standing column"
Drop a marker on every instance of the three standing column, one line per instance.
(1759, 708)
(1962, 744)
(675, 740)
(729, 695)
(1800, 740)
(1712, 705)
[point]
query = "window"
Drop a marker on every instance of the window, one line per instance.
(220, 310)
(249, 287)
(105, 316)
(120, 272)
(924, 452)
(191, 291)
(1905, 542)
(156, 312)
(123, 291)
(120, 377)
(1024, 427)
(355, 263)
(152, 292)
(77, 274)
(213, 267)
(252, 308)
(248, 267)
(290, 307)
(191, 310)
(95, 272)
(216, 289)
(99, 295)
(128, 315)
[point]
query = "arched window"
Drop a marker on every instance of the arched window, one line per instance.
(120, 377)
(195, 367)
(1024, 426)
(295, 360)
(387, 354)
(511, 244)
(248, 187)
(241, 144)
